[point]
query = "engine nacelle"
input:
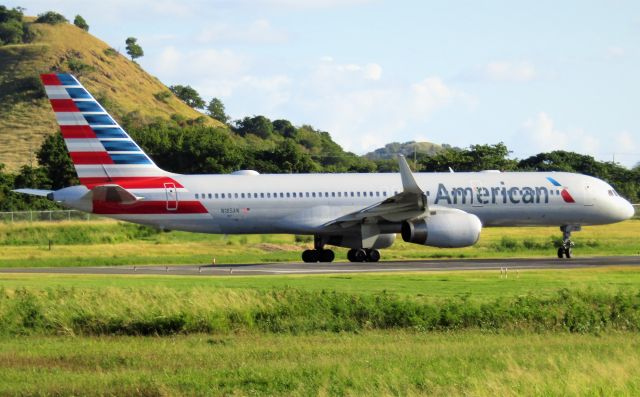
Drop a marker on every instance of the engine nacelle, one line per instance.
(446, 229)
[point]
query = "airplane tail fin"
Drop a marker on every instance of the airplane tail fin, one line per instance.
(101, 151)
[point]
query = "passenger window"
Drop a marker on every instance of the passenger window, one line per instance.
(261, 195)
(196, 195)
(210, 197)
(370, 194)
(333, 194)
(242, 195)
(377, 194)
(358, 194)
(281, 195)
(268, 195)
(294, 194)
(339, 194)
(326, 194)
(551, 192)
(288, 195)
(307, 194)
(313, 194)
(255, 195)
(384, 194)
(222, 195)
(216, 195)
(351, 194)
(235, 195)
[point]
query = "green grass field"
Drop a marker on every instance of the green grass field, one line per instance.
(87, 243)
(371, 363)
(538, 332)
(569, 332)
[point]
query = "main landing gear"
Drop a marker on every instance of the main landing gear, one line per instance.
(566, 249)
(318, 254)
(363, 255)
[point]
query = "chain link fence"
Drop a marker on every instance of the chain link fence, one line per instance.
(47, 216)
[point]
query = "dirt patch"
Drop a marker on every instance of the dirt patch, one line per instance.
(277, 247)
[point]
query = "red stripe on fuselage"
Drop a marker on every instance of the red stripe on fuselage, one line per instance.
(91, 158)
(50, 79)
(567, 196)
(147, 207)
(63, 105)
(77, 131)
(128, 182)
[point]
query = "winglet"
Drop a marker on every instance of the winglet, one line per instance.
(409, 184)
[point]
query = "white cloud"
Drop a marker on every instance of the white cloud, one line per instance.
(363, 111)
(615, 52)
(258, 32)
(502, 71)
(173, 64)
(540, 134)
(305, 4)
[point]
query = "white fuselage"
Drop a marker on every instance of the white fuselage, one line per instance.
(303, 203)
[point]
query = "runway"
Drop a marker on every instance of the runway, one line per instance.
(340, 267)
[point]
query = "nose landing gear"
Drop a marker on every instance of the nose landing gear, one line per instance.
(566, 249)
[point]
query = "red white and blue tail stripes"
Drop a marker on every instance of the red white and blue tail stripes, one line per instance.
(100, 149)
(104, 154)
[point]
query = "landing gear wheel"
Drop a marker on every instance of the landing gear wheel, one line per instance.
(373, 255)
(357, 255)
(568, 252)
(360, 255)
(326, 256)
(560, 252)
(310, 256)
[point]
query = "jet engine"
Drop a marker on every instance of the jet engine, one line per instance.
(444, 229)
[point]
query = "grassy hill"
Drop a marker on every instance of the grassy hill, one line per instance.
(391, 150)
(121, 85)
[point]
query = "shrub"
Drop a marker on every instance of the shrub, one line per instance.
(78, 67)
(51, 17)
(110, 52)
(162, 96)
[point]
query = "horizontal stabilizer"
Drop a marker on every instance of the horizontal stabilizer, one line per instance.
(34, 192)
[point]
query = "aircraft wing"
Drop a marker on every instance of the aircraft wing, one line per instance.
(408, 204)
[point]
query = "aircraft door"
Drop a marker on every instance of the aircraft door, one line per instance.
(172, 196)
(588, 194)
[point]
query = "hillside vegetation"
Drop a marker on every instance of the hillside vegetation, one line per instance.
(123, 87)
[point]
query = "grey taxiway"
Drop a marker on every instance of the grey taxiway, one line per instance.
(332, 268)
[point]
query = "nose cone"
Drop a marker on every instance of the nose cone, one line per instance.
(630, 211)
(622, 210)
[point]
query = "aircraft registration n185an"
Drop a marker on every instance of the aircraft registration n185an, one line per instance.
(363, 212)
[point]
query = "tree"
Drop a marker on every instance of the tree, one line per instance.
(256, 125)
(81, 23)
(12, 28)
(188, 95)
(55, 160)
(285, 128)
(215, 109)
(133, 48)
(51, 17)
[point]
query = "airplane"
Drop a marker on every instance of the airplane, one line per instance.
(362, 212)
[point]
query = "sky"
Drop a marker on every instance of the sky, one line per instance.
(536, 75)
